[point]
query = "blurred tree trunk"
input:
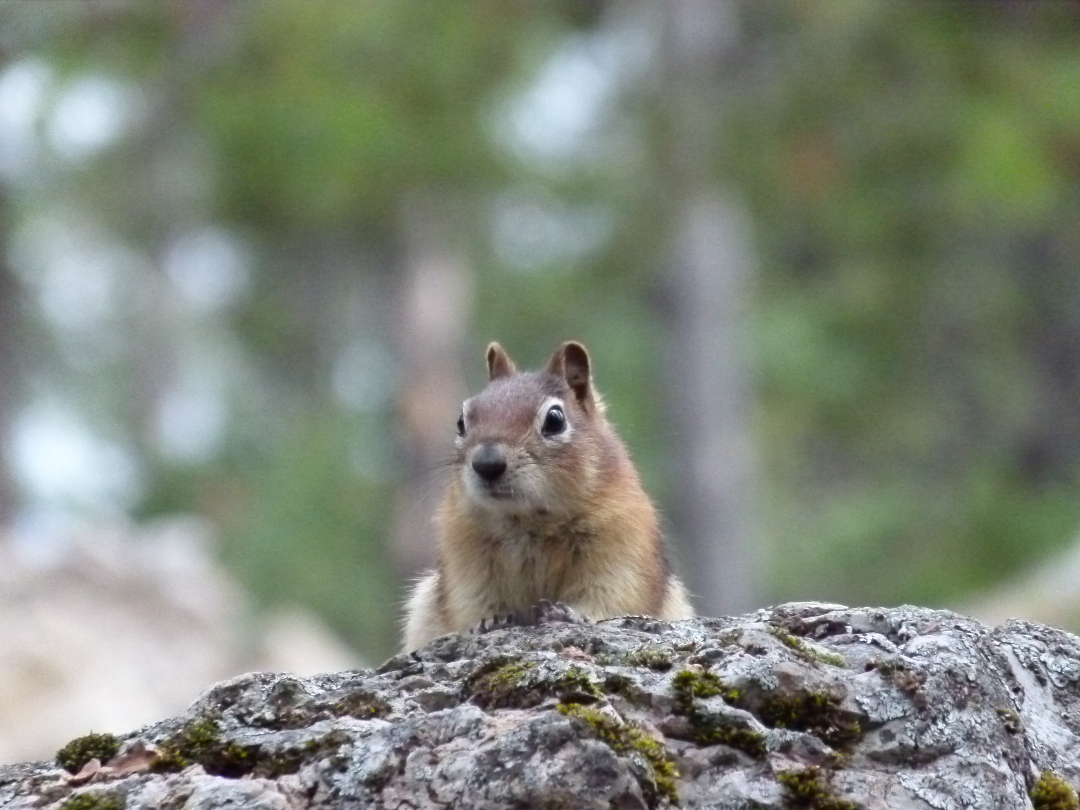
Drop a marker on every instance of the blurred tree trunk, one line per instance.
(10, 295)
(10, 316)
(710, 285)
(436, 292)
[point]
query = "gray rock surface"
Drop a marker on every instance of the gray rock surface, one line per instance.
(803, 705)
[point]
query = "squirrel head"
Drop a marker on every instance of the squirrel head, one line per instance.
(532, 441)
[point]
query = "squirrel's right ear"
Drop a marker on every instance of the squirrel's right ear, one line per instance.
(571, 362)
(498, 362)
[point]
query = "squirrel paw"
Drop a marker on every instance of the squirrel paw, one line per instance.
(497, 622)
(545, 612)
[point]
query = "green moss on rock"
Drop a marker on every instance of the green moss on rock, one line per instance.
(361, 705)
(291, 707)
(808, 652)
(689, 684)
(83, 749)
(518, 684)
(908, 681)
(814, 712)
(500, 683)
(280, 763)
(200, 741)
(94, 801)
(1051, 792)
(808, 788)
(625, 738)
(576, 686)
(709, 729)
(658, 658)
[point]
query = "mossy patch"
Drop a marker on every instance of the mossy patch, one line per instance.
(690, 683)
(200, 741)
(815, 712)
(94, 801)
(907, 681)
(292, 707)
(518, 684)
(1010, 720)
(710, 729)
(653, 657)
(625, 687)
(502, 683)
(576, 686)
(1051, 792)
(626, 738)
(280, 763)
(616, 684)
(650, 656)
(806, 651)
(83, 749)
(808, 788)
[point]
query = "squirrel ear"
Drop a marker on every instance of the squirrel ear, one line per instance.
(571, 362)
(498, 362)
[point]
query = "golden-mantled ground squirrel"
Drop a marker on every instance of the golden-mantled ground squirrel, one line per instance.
(543, 504)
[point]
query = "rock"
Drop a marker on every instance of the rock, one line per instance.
(811, 706)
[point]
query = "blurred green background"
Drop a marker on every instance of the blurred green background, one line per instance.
(253, 251)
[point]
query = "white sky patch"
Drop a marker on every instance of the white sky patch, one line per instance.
(565, 102)
(79, 275)
(364, 377)
(78, 292)
(64, 465)
(532, 232)
(211, 268)
(192, 417)
(91, 114)
(574, 94)
(24, 87)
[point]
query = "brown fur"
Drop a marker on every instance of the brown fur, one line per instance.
(568, 521)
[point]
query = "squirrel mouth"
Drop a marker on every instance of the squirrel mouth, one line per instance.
(498, 491)
(493, 490)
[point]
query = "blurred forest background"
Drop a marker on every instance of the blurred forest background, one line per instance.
(825, 256)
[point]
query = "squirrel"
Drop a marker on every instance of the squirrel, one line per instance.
(543, 506)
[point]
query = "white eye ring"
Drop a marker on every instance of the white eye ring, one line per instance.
(552, 422)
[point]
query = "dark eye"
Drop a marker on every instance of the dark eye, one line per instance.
(554, 421)
(461, 425)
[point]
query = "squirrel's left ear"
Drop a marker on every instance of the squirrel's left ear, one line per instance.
(571, 362)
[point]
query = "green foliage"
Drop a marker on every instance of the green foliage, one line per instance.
(81, 750)
(916, 213)
(347, 105)
(1051, 792)
(912, 176)
(307, 526)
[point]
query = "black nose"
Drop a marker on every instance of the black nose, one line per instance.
(489, 462)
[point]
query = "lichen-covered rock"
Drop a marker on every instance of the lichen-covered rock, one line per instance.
(800, 706)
